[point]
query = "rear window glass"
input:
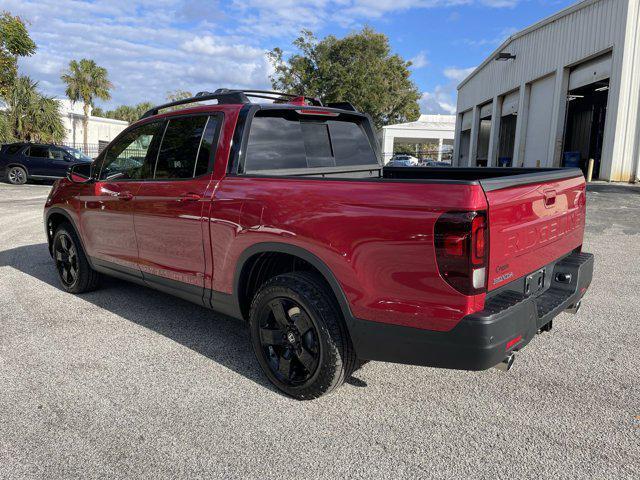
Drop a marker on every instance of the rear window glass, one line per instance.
(38, 151)
(279, 142)
(351, 144)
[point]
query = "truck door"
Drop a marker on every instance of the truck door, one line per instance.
(107, 218)
(170, 211)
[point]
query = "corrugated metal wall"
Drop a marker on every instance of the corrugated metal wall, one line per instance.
(583, 32)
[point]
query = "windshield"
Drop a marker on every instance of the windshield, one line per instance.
(77, 154)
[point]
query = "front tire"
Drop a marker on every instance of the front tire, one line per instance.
(299, 336)
(17, 175)
(76, 275)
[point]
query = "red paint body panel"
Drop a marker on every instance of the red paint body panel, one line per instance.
(532, 225)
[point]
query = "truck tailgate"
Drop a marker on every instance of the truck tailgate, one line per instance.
(533, 224)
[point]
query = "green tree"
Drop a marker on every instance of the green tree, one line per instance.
(125, 112)
(14, 42)
(358, 68)
(86, 81)
(6, 135)
(31, 116)
(176, 95)
(98, 112)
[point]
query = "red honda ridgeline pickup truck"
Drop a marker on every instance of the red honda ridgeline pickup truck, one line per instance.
(281, 214)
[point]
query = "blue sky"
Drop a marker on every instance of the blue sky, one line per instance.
(151, 47)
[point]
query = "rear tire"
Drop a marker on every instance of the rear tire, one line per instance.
(17, 175)
(76, 275)
(299, 336)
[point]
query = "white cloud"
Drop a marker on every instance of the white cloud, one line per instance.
(146, 54)
(420, 60)
(151, 47)
(443, 97)
(457, 74)
(277, 17)
(440, 100)
(492, 41)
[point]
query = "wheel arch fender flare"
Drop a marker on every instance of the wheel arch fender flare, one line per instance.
(307, 256)
(61, 211)
(17, 164)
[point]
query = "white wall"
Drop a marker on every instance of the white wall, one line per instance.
(100, 129)
(428, 128)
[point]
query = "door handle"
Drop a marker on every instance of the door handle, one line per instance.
(125, 196)
(189, 197)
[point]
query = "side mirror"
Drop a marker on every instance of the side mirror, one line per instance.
(80, 173)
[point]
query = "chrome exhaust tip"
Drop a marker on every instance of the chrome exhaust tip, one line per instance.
(573, 309)
(506, 364)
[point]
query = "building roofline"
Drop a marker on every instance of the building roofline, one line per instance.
(93, 117)
(536, 26)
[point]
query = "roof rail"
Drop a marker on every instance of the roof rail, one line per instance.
(227, 96)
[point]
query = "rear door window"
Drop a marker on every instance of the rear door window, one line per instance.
(38, 151)
(282, 141)
(186, 147)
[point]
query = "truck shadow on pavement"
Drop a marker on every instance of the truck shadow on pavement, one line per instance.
(220, 338)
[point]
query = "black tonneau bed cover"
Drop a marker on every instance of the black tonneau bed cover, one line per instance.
(489, 178)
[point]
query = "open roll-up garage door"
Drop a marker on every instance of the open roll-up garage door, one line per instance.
(465, 138)
(590, 72)
(485, 110)
(507, 135)
(510, 103)
(467, 118)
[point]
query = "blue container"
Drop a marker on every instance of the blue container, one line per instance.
(572, 159)
(504, 161)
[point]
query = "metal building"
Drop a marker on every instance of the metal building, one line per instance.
(559, 93)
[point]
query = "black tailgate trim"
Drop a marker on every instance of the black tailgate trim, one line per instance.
(491, 184)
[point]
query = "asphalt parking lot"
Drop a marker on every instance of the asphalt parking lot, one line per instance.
(129, 382)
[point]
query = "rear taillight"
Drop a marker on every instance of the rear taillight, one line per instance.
(461, 250)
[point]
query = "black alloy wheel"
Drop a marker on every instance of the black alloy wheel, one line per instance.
(17, 176)
(299, 335)
(72, 265)
(66, 257)
(289, 340)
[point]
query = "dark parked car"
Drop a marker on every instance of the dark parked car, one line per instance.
(24, 161)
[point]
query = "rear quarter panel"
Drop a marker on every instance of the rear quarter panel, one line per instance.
(375, 236)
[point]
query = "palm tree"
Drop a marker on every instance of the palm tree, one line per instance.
(31, 116)
(86, 81)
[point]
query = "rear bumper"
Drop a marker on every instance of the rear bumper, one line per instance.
(483, 339)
